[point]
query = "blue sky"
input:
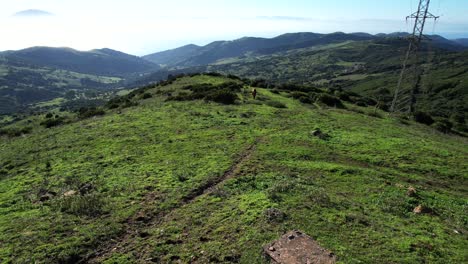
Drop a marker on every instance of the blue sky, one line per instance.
(145, 26)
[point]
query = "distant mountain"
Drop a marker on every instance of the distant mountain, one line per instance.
(32, 13)
(169, 56)
(393, 35)
(195, 56)
(40, 74)
(98, 62)
(192, 55)
(462, 41)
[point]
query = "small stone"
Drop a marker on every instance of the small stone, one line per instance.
(271, 248)
(411, 192)
(456, 231)
(69, 193)
(420, 209)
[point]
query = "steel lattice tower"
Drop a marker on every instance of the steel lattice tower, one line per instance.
(405, 96)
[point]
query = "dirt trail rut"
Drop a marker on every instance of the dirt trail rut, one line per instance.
(138, 222)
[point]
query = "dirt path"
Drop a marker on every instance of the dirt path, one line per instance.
(134, 226)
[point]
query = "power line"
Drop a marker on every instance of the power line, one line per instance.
(405, 96)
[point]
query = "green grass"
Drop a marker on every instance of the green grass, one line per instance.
(54, 102)
(348, 191)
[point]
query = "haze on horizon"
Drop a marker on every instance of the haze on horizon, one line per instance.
(145, 26)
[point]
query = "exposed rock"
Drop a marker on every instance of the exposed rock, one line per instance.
(420, 209)
(411, 192)
(295, 247)
(69, 193)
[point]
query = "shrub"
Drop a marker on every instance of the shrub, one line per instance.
(49, 115)
(213, 74)
(305, 100)
(460, 127)
(87, 112)
(146, 96)
(48, 123)
(120, 101)
(260, 83)
(361, 103)
(222, 96)
(319, 197)
(223, 93)
(382, 106)
(15, 132)
(330, 100)
(88, 205)
(297, 95)
(275, 91)
(275, 104)
(443, 125)
(234, 77)
(423, 118)
(343, 96)
(274, 215)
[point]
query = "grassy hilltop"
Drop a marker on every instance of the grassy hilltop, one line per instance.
(172, 178)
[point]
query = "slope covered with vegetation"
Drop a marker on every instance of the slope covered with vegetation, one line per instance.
(22, 86)
(192, 55)
(369, 68)
(195, 170)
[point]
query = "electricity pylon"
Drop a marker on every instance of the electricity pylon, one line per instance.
(405, 96)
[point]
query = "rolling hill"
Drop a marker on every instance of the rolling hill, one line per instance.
(168, 175)
(192, 55)
(97, 62)
(41, 74)
(22, 86)
(462, 41)
(367, 67)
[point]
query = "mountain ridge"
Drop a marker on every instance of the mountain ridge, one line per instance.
(208, 54)
(98, 61)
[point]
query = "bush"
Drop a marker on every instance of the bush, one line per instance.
(274, 215)
(48, 123)
(423, 118)
(260, 83)
(297, 95)
(222, 96)
(305, 100)
(213, 74)
(330, 100)
(275, 91)
(88, 205)
(121, 101)
(275, 104)
(146, 96)
(443, 125)
(223, 93)
(15, 132)
(87, 112)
